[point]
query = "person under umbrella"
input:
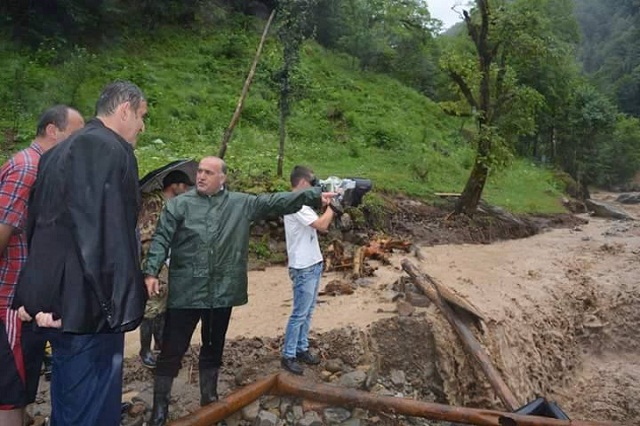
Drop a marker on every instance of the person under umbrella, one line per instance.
(174, 183)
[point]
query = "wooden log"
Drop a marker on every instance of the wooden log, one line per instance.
(245, 90)
(469, 342)
(216, 411)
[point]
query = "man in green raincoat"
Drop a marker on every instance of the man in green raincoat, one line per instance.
(207, 231)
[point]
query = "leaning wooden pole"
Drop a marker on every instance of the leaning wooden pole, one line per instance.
(213, 413)
(469, 342)
(245, 90)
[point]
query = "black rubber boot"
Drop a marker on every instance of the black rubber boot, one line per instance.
(158, 329)
(161, 395)
(146, 331)
(208, 385)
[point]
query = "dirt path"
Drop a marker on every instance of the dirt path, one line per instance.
(270, 301)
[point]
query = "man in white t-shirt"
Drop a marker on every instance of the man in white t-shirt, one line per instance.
(305, 269)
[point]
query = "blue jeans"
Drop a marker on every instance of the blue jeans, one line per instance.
(86, 379)
(305, 292)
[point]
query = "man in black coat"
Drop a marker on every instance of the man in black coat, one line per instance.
(82, 278)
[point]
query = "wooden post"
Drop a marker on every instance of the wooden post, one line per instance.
(245, 90)
(469, 342)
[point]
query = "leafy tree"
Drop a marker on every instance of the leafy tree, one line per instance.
(609, 51)
(488, 84)
(388, 36)
(618, 157)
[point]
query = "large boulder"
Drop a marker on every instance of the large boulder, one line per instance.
(601, 209)
(629, 198)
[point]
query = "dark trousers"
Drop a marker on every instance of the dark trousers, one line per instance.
(178, 329)
(86, 380)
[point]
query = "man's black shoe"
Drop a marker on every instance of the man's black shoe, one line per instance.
(292, 366)
(148, 360)
(308, 358)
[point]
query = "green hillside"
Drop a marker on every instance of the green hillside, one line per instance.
(345, 122)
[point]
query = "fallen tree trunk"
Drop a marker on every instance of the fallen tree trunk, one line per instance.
(469, 342)
(288, 385)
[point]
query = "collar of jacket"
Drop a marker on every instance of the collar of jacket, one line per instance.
(96, 122)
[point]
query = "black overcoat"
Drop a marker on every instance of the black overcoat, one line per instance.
(83, 262)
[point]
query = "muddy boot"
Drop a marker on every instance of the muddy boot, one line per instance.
(158, 329)
(146, 331)
(208, 385)
(161, 395)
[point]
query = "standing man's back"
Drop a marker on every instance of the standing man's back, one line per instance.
(82, 278)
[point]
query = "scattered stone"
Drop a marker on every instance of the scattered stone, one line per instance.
(256, 343)
(352, 422)
(418, 300)
(364, 282)
(382, 391)
(310, 418)
(325, 375)
(398, 377)
(298, 413)
(265, 418)
(601, 209)
(405, 309)
(372, 378)
(354, 380)
(271, 402)
(245, 375)
(336, 415)
(359, 413)
(334, 365)
(285, 407)
(629, 198)
(338, 287)
(250, 412)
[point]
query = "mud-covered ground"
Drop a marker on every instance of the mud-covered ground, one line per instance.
(561, 312)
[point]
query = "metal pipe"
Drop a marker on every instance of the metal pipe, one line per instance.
(285, 384)
(216, 411)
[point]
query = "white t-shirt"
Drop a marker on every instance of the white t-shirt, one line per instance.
(303, 248)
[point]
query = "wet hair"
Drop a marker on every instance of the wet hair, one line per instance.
(299, 173)
(57, 115)
(117, 93)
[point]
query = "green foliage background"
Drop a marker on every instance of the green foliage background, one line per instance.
(348, 123)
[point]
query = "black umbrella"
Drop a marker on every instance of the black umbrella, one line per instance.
(153, 180)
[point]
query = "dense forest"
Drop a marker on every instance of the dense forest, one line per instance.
(550, 82)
